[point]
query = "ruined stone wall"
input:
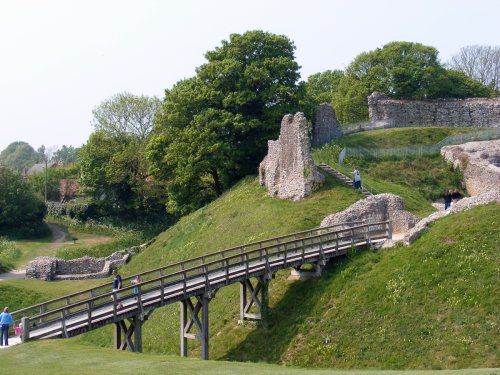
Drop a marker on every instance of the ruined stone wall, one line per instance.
(479, 163)
(474, 112)
(326, 127)
(288, 170)
(49, 268)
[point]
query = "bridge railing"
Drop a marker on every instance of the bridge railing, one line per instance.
(204, 272)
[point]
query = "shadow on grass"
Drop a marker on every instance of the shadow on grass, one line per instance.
(289, 317)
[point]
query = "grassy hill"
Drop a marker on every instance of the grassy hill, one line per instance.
(428, 306)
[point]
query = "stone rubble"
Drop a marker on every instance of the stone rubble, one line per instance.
(375, 208)
(288, 170)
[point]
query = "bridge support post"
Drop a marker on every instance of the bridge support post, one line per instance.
(190, 317)
(129, 336)
(249, 297)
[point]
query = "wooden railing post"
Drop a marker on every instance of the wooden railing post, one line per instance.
(25, 333)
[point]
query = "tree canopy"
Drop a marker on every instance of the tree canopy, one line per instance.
(481, 63)
(19, 155)
(125, 113)
(19, 205)
(213, 128)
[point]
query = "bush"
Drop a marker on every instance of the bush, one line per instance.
(8, 254)
(79, 211)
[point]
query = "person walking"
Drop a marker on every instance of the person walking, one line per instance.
(117, 285)
(357, 179)
(5, 321)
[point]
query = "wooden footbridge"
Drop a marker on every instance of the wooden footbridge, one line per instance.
(194, 283)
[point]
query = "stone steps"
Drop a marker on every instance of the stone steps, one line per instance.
(342, 177)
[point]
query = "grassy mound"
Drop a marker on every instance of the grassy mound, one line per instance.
(429, 306)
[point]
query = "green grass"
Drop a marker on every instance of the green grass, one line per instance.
(401, 137)
(418, 180)
(70, 358)
(242, 215)
(96, 239)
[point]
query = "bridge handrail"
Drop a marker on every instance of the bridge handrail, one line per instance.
(202, 270)
(202, 257)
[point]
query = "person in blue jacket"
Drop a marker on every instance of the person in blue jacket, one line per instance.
(5, 321)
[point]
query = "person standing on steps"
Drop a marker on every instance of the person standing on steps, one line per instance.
(357, 179)
(5, 321)
(447, 199)
(117, 285)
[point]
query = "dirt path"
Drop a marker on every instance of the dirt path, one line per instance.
(59, 235)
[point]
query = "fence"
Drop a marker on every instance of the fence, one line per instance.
(482, 135)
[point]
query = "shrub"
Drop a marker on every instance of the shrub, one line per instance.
(8, 253)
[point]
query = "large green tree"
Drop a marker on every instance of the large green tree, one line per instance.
(20, 207)
(213, 128)
(402, 70)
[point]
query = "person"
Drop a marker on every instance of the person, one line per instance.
(357, 179)
(5, 321)
(117, 285)
(136, 280)
(447, 199)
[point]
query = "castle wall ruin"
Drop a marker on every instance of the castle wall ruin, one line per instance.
(474, 112)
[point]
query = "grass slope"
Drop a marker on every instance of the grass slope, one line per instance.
(431, 305)
(418, 180)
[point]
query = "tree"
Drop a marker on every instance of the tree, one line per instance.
(18, 156)
(65, 155)
(213, 128)
(19, 206)
(126, 113)
(481, 63)
(320, 88)
(114, 171)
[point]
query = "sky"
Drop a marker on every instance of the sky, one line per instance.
(59, 59)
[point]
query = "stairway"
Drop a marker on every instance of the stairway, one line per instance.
(342, 177)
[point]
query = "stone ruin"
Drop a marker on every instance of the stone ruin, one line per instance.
(326, 127)
(479, 162)
(474, 112)
(288, 170)
(375, 208)
(50, 268)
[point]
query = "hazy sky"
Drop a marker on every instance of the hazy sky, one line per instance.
(60, 59)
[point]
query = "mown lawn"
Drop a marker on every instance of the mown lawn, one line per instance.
(67, 357)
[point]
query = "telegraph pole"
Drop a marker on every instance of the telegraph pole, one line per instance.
(46, 162)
